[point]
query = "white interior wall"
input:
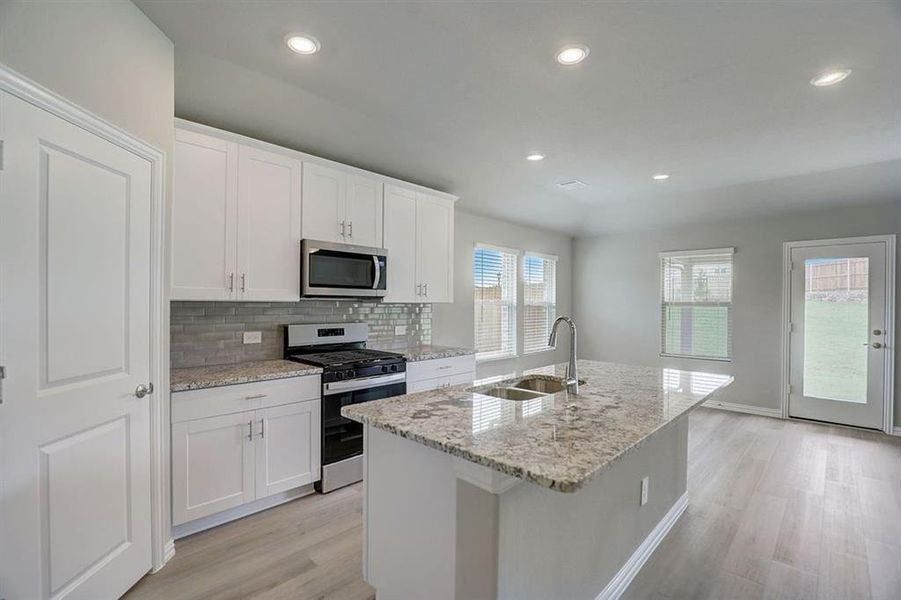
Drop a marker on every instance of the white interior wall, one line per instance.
(616, 292)
(454, 324)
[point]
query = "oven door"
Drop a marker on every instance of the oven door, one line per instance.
(343, 438)
(329, 269)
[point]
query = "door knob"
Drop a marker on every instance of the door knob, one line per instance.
(142, 390)
(875, 345)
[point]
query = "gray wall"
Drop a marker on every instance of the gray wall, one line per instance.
(617, 291)
(454, 324)
(211, 333)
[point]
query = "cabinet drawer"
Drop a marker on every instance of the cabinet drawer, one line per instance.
(440, 367)
(439, 382)
(198, 404)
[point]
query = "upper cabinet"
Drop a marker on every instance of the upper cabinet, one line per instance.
(235, 221)
(341, 207)
(419, 237)
(241, 207)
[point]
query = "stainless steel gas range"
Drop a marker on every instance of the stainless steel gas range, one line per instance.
(351, 374)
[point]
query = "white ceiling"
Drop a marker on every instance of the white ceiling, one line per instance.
(453, 95)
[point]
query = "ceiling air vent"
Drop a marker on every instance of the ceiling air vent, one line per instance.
(573, 185)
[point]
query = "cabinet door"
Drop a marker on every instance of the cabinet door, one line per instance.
(287, 447)
(435, 248)
(212, 465)
(268, 226)
(400, 241)
(323, 203)
(204, 214)
(363, 211)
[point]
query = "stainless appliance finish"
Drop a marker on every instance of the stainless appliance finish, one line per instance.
(335, 270)
(351, 374)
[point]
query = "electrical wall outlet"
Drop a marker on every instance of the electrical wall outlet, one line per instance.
(253, 337)
(644, 491)
(400, 330)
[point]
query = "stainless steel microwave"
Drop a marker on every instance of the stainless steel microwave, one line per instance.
(328, 269)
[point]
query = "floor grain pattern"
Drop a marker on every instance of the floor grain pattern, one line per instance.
(777, 510)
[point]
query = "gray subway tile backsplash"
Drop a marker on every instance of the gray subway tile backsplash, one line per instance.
(211, 333)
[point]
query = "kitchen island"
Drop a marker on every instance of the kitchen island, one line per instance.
(470, 495)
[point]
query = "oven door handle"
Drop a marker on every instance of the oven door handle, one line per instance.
(338, 387)
(378, 272)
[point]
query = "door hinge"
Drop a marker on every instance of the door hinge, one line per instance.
(1, 155)
(2, 377)
(788, 389)
(791, 327)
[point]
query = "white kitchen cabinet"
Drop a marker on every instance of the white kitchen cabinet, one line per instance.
(204, 211)
(212, 465)
(287, 447)
(341, 207)
(269, 210)
(440, 372)
(363, 211)
(400, 241)
(236, 214)
(324, 192)
(419, 236)
(237, 444)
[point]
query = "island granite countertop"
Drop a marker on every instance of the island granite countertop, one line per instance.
(558, 441)
(198, 378)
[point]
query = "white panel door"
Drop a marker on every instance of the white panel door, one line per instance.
(287, 447)
(212, 465)
(75, 325)
(838, 339)
(324, 191)
(268, 226)
(363, 211)
(400, 241)
(434, 248)
(204, 214)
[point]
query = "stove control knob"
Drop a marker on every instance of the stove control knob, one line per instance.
(394, 368)
(384, 369)
(339, 375)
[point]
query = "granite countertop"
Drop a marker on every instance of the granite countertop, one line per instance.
(558, 441)
(418, 352)
(196, 378)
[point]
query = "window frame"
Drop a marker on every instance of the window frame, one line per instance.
(661, 345)
(514, 353)
(522, 276)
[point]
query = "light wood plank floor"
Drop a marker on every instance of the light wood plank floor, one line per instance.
(777, 509)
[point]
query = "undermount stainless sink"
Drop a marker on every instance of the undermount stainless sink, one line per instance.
(510, 393)
(543, 385)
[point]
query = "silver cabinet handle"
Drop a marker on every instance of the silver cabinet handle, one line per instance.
(231, 282)
(143, 390)
(425, 288)
(343, 229)
(350, 229)
(419, 289)
(250, 430)
(255, 396)
(243, 281)
(262, 428)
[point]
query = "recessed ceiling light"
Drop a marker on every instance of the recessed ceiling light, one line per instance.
(830, 77)
(573, 54)
(302, 43)
(661, 176)
(535, 156)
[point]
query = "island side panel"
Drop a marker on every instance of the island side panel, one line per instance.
(410, 520)
(554, 545)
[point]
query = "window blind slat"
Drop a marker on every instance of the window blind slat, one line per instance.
(494, 281)
(539, 300)
(696, 305)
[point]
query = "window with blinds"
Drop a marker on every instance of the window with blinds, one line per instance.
(494, 272)
(539, 292)
(696, 304)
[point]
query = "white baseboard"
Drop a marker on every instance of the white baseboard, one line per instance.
(896, 431)
(744, 408)
(620, 582)
(168, 553)
(232, 514)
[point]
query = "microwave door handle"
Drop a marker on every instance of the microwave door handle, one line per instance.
(378, 272)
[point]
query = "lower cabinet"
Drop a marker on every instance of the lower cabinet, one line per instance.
(223, 461)
(441, 372)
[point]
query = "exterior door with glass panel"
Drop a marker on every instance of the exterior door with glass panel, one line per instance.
(837, 332)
